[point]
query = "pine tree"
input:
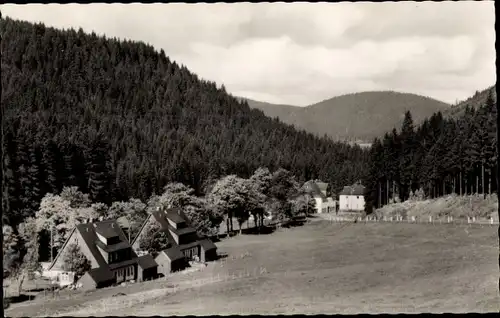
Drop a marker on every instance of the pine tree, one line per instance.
(49, 163)
(99, 182)
(406, 164)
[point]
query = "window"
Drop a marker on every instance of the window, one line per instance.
(131, 270)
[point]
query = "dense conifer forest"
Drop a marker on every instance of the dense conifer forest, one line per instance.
(120, 120)
(443, 155)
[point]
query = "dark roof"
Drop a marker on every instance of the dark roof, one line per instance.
(173, 253)
(88, 233)
(207, 244)
(175, 215)
(356, 189)
(161, 218)
(182, 231)
(113, 248)
(313, 188)
(101, 274)
(108, 228)
(146, 261)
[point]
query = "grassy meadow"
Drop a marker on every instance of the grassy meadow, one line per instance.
(321, 267)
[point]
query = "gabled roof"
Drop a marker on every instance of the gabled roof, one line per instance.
(90, 239)
(146, 261)
(208, 244)
(108, 228)
(176, 215)
(356, 189)
(112, 248)
(182, 231)
(101, 274)
(314, 189)
(173, 253)
(166, 227)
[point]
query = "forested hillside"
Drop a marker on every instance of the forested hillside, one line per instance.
(475, 102)
(355, 117)
(443, 155)
(118, 120)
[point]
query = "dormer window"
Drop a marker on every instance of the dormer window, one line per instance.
(113, 240)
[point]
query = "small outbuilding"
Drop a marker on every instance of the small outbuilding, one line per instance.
(208, 250)
(171, 260)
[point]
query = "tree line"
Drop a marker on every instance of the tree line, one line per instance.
(118, 120)
(439, 157)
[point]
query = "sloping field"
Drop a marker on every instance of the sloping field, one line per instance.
(460, 207)
(323, 267)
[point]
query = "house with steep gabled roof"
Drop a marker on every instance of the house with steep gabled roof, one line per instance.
(185, 242)
(317, 189)
(110, 254)
(352, 198)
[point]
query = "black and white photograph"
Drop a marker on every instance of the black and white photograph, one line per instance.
(174, 159)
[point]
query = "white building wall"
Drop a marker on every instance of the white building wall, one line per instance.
(352, 203)
(344, 202)
(319, 205)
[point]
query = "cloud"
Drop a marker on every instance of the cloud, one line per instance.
(302, 53)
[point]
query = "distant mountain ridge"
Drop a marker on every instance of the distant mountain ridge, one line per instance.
(354, 117)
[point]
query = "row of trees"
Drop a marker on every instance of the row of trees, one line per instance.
(229, 197)
(441, 156)
(120, 120)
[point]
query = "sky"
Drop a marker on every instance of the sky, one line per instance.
(303, 53)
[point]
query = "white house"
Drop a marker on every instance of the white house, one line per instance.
(352, 198)
(317, 190)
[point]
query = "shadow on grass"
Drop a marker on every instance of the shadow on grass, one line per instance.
(295, 223)
(221, 256)
(264, 230)
(7, 301)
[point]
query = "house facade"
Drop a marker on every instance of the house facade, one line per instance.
(110, 254)
(185, 243)
(352, 198)
(317, 189)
